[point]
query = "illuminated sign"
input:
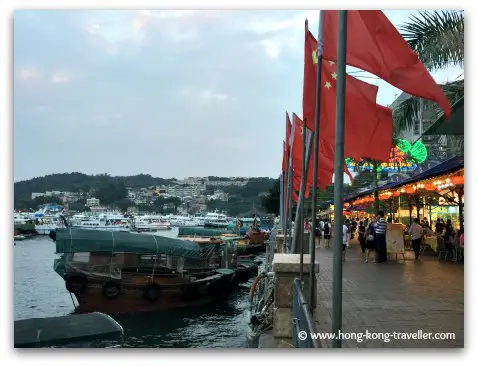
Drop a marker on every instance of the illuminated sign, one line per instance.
(404, 157)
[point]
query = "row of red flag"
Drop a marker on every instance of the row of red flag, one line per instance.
(373, 45)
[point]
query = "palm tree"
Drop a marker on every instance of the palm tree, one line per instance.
(438, 39)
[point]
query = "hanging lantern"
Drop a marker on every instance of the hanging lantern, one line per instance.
(396, 193)
(459, 179)
(430, 187)
(409, 190)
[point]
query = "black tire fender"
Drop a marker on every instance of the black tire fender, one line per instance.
(76, 283)
(111, 289)
(152, 292)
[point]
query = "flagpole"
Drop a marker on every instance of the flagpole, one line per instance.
(339, 180)
(300, 203)
(301, 212)
(281, 207)
(316, 163)
(289, 203)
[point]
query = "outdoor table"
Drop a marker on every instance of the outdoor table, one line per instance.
(432, 242)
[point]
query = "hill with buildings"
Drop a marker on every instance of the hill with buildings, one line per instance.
(143, 192)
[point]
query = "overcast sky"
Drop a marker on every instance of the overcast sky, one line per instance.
(166, 93)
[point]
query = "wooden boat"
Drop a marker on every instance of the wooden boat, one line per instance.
(119, 272)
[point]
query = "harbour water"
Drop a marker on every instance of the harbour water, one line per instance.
(40, 292)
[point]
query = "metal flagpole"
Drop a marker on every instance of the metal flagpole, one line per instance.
(290, 175)
(281, 207)
(297, 228)
(300, 221)
(339, 180)
(289, 204)
(316, 164)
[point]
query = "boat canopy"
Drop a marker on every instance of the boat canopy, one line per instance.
(71, 240)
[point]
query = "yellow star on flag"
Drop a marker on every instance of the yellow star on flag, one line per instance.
(328, 85)
(315, 58)
(331, 62)
(334, 75)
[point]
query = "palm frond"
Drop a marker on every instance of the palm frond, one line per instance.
(409, 110)
(437, 37)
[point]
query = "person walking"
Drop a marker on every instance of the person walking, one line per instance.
(326, 232)
(416, 233)
(346, 233)
(307, 225)
(369, 239)
(380, 242)
(361, 237)
(449, 237)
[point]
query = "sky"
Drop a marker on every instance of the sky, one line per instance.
(168, 93)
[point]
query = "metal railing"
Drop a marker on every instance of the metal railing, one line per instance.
(301, 319)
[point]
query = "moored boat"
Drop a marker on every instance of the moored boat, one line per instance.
(119, 272)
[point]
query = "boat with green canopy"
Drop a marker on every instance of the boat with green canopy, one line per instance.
(120, 272)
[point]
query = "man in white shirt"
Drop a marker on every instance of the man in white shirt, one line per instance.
(345, 238)
(416, 232)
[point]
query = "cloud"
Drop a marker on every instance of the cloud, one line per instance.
(27, 73)
(61, 77)
(157, 83)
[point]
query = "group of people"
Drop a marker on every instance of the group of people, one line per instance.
(323, 229)
(445, 230)
(371, 235)
(372, 238)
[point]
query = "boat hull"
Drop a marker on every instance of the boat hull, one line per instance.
(133, 300)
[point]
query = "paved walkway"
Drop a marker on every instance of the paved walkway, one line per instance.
(394, 296)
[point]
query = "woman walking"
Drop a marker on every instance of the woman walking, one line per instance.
(370, 240)
(361, 236)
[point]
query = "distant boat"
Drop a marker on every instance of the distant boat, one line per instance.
(216, 220)
(150, 223)
(105, 222)
(19, 237)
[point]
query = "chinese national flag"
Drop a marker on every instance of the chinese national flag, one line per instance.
(326, 159)
(374, 45)
(361, 115)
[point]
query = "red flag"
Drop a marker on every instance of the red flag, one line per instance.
(375, 45)
(326, 159)
(360, 110)
(360, 113)
(288, 129)
(381, 139)
(284, 157)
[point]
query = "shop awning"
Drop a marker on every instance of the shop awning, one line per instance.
(453, 126)
(448, 166)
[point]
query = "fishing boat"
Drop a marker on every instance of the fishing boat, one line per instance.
(119, 272)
